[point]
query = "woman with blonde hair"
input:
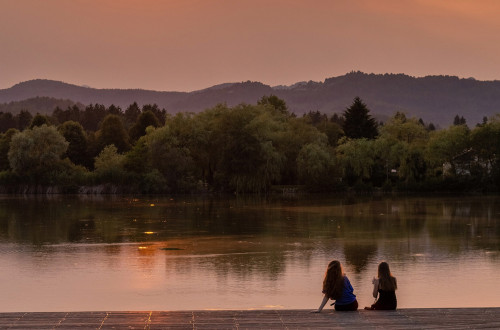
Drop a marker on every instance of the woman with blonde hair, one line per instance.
(385, 288)
(336, 286)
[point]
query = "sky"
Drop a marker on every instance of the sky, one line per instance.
(185, 45)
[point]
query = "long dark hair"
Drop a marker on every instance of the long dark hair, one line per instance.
(333, 284)
(386, 281)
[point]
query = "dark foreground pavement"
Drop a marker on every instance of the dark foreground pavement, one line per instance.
(421, 318)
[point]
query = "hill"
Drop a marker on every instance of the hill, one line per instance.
(435, 99)
(40, 104)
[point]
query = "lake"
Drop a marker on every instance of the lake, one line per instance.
(91, 253)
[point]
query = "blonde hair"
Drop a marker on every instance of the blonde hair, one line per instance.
(386, 281)
(333, 284)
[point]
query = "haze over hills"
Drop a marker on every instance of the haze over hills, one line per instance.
(435, 99)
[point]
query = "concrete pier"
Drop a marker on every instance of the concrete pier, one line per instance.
(421, 318)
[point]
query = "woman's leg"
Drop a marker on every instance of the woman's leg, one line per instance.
(384, 307)
(349, 307)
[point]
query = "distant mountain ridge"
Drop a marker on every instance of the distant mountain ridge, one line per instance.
(435, 99)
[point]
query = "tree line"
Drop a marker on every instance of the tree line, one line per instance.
(249, 148)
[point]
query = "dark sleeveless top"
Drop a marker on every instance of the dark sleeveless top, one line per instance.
(386, 300)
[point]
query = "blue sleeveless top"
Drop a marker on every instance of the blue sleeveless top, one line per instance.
(347, 294)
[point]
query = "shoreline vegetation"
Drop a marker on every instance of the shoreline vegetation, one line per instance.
(245, 149)
(276, 191)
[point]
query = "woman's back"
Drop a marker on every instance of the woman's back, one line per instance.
(386, 300)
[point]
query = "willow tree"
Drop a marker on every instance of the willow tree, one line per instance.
(316, 167)
(357, 157)
(250, 160)
(401, 146)
(170, 158)
(448, 149)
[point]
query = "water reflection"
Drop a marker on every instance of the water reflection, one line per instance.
(359, 255)
(241, 253)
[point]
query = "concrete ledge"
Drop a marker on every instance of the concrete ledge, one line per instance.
(424, 318)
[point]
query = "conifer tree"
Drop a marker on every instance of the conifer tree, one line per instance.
(358, 123)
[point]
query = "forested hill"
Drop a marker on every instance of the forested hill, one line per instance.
(39, 104)
(435, 99)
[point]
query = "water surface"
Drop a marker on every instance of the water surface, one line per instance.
(125, 253)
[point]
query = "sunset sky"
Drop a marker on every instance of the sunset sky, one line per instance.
(186, 45)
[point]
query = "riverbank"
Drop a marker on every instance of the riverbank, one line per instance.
(416, 318)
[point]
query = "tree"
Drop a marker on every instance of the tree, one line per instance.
(160, 114)
(131, 114)
(114, 110)
(92, 117)
(485, 141)
(449, 146)
(459, 121)
(413, 166)
(109, 165)
(293, 136)
(329, 127)
(485, 120)
(71, 113)
(275, 102)
(358, 123)
(400, 128)
(5, 140)
(246, 154)
(108, 159)
(388, 152)
(7, 121)
(231, 145)
(144, 120)
(315, 164)
(137, 160)
(339, 120)
(77, 149)
(170, 158)
(357, 157)
(36, 152)
(400, 146)
(206, 135)
(23, 119)
(197, 133)
(111, 131)
(39, 120)
(315, 118)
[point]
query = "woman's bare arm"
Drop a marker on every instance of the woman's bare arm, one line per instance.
(375, 287)
(323, 303)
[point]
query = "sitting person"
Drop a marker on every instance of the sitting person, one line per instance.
(385, 287)
(336, 286)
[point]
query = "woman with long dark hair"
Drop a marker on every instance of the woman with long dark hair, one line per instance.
(384, 287)
(336, 286)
